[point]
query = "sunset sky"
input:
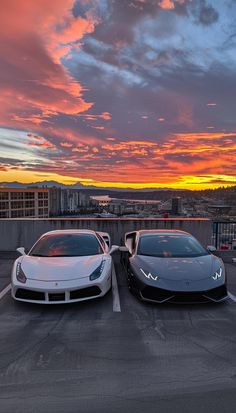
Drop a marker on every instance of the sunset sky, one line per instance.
(127, 93)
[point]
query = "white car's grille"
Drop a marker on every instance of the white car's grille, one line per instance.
(33, 295)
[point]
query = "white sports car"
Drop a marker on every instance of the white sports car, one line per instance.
(64, 266)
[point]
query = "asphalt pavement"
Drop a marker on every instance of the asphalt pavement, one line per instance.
(117, 354)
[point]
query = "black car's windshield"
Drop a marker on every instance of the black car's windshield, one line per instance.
(66, 245)
(175, 245)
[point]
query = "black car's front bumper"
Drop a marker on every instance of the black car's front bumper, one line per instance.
(160, 295)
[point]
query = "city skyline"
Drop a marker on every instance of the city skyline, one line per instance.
(135, 93)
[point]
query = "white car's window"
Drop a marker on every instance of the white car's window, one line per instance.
(67, 245)
(170, 246)
(102, 241)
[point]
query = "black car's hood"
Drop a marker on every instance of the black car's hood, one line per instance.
(193, 269)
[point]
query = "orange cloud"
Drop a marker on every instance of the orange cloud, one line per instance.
(170, 4)
(167, 4)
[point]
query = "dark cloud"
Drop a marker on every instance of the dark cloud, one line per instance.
(221, 181)
(80, 9)
(205, 13)
(208, 15)
(124, 15)
(10, 161)
(183, 158)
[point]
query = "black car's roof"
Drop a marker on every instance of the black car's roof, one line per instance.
(162, 232)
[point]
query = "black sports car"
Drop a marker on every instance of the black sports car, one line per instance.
(171, 265)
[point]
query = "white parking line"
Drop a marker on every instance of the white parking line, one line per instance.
(115, 292)
(5, 291)
(233, 298)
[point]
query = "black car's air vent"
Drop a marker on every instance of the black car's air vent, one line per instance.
(217, 293)
(155, 294)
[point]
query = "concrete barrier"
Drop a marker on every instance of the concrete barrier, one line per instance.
(16, 233)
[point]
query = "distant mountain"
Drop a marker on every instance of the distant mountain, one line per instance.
(12, 185)
(39, 184)
(48, 184)
(228, 194)
(78, 185)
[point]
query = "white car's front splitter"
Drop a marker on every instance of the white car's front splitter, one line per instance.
(60, 292)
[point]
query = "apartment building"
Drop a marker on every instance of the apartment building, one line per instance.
(72, 200)
(24, 203)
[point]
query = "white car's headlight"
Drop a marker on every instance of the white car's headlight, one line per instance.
(98, 272)
(149, 275)
(218, 274)
(20, 275)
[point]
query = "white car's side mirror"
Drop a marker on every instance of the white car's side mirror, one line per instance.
(211, 248)
(114, 248)
(21, 250)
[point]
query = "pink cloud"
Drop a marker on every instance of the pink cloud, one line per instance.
(98, 127)
(35, 86)
(66, 144)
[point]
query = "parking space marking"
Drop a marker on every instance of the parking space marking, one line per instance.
(5, 291)
(115, 292)
(233, 298)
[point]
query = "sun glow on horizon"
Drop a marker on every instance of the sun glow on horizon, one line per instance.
(184, 182)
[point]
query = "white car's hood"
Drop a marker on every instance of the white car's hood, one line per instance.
(59, 268)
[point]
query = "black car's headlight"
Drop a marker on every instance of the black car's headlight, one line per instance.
(149, 275)
(20, 275)
(218, 274)
(98, 272)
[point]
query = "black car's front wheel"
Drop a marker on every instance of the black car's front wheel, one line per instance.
(131, 284)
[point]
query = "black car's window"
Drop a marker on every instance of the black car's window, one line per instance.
(67, 245)
(170, 246)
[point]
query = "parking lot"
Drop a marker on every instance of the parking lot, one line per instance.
(116, 354)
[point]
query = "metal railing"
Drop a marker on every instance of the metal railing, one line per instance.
(224, 235)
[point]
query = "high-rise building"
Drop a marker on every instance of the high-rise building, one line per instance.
(73, 200)
(176, 206)
(55, 194)
(24, 203)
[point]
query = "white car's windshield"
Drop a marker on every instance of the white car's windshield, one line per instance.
(66, 245)
(170, 246)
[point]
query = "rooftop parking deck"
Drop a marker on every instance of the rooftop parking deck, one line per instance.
(97, 356)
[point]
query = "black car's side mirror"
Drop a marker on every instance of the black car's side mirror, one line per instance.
(211, 248)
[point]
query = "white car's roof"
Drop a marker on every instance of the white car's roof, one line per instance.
(69, 231)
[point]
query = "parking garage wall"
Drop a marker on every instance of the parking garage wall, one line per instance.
(16, 233)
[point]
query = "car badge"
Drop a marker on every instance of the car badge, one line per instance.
(56, 283)
(187, 282)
